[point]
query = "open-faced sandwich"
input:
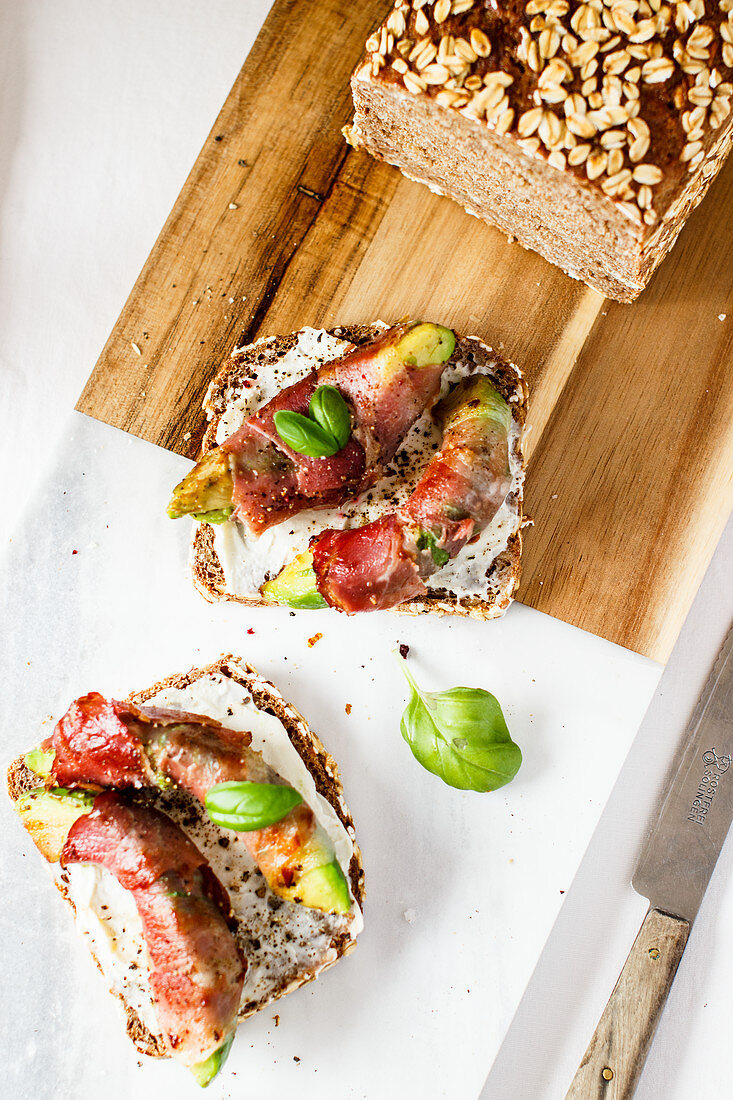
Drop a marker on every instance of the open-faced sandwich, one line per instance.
(362, 468)
(199, 831)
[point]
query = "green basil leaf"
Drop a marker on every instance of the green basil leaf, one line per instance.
(426, 540)
(304, 436)
(40, 761)
(461, 736)
(244, 806)
(328, 408)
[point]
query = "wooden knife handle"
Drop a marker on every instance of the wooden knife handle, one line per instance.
(615, 1056)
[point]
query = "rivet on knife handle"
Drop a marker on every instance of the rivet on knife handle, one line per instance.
(615, 1056)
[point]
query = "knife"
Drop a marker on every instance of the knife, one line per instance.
(673, 872)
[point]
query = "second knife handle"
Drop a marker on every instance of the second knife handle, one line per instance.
(615, 1056)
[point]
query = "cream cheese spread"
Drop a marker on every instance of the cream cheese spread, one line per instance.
(250, 560)
(281, 940)
(107, 915)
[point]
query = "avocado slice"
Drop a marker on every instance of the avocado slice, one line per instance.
(49, 814)
(425, 345)
(324, 888)
(205, 1072)
(40, 761)
(295, 585)
(205, 492)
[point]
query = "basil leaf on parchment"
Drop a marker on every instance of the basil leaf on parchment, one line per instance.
(461, 736)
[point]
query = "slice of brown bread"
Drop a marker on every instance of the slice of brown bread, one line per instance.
(189, 813)
(255, 359)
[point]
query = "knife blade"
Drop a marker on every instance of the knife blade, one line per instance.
(674, 868)
(686, 837)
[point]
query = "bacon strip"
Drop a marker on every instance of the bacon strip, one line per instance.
(196, 968)
(264, 480)
(384, 563)
(271, 482)
(314, 477)
(387, 396)
(92, 744)
(121, 745)
(366, 568)
(467, 481)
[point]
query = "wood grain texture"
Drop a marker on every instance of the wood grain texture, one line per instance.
(406, 252)
(615, 1056)
(279, 225)
(632, 481)
(256, 187)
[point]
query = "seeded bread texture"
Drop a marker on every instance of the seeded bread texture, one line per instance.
(321, 765)
(206, 569)
(588, 131)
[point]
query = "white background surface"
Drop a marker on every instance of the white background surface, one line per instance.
(104, 108)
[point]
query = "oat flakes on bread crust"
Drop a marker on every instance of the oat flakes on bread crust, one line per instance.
(587, 132)
(206, 569)
(318, 761)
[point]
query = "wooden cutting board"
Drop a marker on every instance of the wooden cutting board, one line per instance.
(281, 225)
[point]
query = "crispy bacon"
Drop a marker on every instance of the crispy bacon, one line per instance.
(384, 563)
(196, 968)
(92, 744)
(467, 481)
(190, 750)
(366, 568)
(387, 395)
(314, 477)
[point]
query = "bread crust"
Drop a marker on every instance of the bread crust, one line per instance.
(318, 761)
(206, 569)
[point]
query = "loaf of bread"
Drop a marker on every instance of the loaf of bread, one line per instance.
(588, 131)
(227, 565)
